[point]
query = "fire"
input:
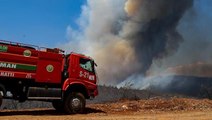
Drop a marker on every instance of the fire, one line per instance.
(132, 7)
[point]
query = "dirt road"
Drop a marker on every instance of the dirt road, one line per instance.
(156, 109)
(50, 114)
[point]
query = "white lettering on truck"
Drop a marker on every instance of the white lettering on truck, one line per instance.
(7, 74)
(83, 74)
(29, 76)
(86, 75)
(7, 65)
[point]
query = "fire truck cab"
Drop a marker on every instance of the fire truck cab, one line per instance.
(29, 72)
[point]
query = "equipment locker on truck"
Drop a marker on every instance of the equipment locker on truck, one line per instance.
(32, 73)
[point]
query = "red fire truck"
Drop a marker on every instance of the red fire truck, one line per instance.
(29, 72)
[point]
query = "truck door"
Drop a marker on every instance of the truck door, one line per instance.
(86, 69)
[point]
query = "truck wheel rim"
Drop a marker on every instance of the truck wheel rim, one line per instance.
(75, 103)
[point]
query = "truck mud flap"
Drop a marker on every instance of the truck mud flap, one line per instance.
(40, 93)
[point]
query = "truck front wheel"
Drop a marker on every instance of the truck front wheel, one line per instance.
(74, 103)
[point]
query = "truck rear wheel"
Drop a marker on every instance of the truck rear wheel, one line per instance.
(1, 99)
(74, 103)
(2, 93)
(58, 105)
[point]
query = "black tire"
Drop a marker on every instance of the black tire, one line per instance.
(58, 105)
(74, 103)
(1, 99)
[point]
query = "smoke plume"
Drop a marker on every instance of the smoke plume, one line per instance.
(126, 37)
(151, 28)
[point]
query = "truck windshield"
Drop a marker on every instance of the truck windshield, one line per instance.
(87, 64)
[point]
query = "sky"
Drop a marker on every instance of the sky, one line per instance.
(38, 22)
(45, 22)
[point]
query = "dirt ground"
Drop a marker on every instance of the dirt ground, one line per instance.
(153, 109)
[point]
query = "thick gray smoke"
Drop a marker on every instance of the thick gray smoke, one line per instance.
(195, 27)
(127, 38)
(151, 30)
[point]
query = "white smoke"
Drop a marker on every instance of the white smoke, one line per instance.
(98, 37)
(104, 27)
